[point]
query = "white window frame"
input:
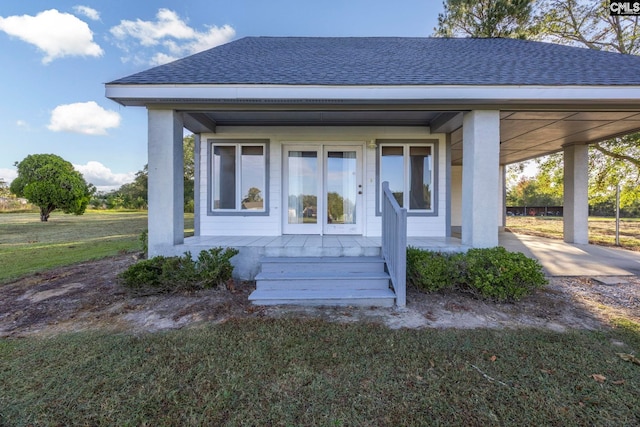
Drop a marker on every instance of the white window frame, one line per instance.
(406, 147)
(238, 144)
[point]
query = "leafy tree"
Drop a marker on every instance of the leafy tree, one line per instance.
(50, 182)
(485, 18)
(584, 23)
(189, 172)
(4, 188)
(530, 192)
(134, 195)
(588, 24)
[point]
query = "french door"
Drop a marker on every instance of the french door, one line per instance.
(323, 189)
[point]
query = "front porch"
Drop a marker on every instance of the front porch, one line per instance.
(254, 248)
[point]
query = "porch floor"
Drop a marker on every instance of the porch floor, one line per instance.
(314, 245)
(254, 248)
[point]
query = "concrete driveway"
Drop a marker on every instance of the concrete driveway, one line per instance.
(566, 259)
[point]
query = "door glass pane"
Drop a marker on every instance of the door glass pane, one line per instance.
(341, 187)
(392, 170)
(302, 172)
(252, 177)
(224, 177)
(420, 178)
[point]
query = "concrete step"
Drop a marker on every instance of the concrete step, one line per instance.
(320, 297)
(322, 280)
(323, 264)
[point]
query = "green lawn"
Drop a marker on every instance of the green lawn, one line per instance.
(303, 372)
(28, 245)
(601, 230)
(292, 371)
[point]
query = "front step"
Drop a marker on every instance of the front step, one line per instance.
(335, 281)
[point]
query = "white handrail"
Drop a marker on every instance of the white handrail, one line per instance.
(394, 243)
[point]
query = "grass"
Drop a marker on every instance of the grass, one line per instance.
(28, 245)
(303, 372)
(601, 230)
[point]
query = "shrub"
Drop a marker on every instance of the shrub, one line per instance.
(493, 273)
(144, 240)
(170, 274)
(432, 271)
(498, 274)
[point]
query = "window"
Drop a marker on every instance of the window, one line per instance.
(409, 169)
(238, 177)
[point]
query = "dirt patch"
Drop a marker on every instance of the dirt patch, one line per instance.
(87, 296)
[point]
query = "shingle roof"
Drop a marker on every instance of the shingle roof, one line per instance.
(394, 61)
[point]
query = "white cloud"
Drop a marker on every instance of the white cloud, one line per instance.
(102, 177)
(56, 34)
(170, 32)
(8, 175)
(88, 12)
(22, 124)
(83, 117)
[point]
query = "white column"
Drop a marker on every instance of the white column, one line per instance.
(480, 178)
(166, 181)
(502, 198)
(196, 185)
(576, 198)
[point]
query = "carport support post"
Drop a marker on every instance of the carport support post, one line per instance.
(166, 181)
(576, 200)
(480, 178)
(502, 198)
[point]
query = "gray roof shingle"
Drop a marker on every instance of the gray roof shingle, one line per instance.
(394, 61)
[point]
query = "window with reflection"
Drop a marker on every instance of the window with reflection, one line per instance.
(238, 177)
(409, 170)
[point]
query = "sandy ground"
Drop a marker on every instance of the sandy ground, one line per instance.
(87, 296)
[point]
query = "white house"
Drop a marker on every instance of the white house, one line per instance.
(294, 137)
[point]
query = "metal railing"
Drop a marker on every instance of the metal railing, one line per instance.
(394, 243)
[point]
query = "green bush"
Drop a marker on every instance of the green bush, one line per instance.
(170, 274)
(144, 240)
(498, 274)
(432, 271)
(493, 273)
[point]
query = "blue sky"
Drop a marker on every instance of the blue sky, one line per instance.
(55, 57)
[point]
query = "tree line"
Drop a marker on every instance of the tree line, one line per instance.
(134, 194)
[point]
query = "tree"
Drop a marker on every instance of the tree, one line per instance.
(589, 24)
(134, 195)
(584, 23)
(189, 172)
(485, 18)
(4, 188)
(50, 182)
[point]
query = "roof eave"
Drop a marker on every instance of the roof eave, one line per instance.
(477, 95)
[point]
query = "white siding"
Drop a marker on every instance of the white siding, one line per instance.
(271, 225)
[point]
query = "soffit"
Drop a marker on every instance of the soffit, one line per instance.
(523, 134)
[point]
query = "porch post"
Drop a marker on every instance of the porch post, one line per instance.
(196, 184)
(502, 198)
(166, 182)
(576, 199)
(480, 178)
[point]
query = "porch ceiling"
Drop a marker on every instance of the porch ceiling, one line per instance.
(523, 134)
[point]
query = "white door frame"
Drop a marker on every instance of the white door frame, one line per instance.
(321, 226)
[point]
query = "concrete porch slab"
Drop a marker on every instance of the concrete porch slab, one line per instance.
(559, 258)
